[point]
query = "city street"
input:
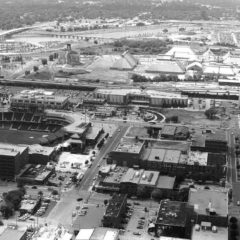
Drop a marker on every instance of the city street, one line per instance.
(87, 180)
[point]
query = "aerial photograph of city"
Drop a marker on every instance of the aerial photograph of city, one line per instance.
(120, 120)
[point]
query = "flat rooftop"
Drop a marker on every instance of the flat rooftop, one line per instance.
(202, 199)
(99, 233)
(172, 213)
(119, 91)
(130, 146)
(115, 177)
(8, 234)
(157, 94)
(28, 205)
(43, 150)
(149, 178)
(40, 97)
(200, 158)
(11, 150)
(166, 182)
(172, 156)
(221, 234)
(169, 130)
(219, 136)
(132, 176)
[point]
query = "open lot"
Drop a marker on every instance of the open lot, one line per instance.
(137, 131)
(191, 117)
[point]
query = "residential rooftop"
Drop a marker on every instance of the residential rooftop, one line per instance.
(206, 200)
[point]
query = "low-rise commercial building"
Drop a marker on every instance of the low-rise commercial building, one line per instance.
(100, 233)
(13, 234)
(209, 232)
(34, 174)
(41, 154)
(174, 219)
(210, 206)
(127, 153)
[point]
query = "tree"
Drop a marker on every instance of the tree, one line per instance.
(210, 113)
(165, 30)
(54, 192)
(40, 194)
(95, 41)
(234, 226)
(35, 68)
(51, 57)
(143, 192)
(105, 202)
(86, 162)
(44, 61)
(233, 220)
(6, 211)
(157, 194)
(27, 72)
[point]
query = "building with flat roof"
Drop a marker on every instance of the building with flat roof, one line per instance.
(13, 234)
(112, 181)
(37, 101)
(127, 153)
(134, 178)
(29, 206)
(93, 134)
(41, 154)
(115, 211)
(213, 233)
(168, 131)
(51, 232)
(142, 97)
(164, 160)
(100, 233)
(12, 159)
(34, 174)
(174, 218)
(210, 206)
(211, 141)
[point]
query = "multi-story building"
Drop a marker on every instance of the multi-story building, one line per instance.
(115, 211)
(12, 159)
(127, 153)
(174, 219)
(37, 101)
(139, 97)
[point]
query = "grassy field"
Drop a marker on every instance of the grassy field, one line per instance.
(137, 131)
(190, 117)
(21, 137)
